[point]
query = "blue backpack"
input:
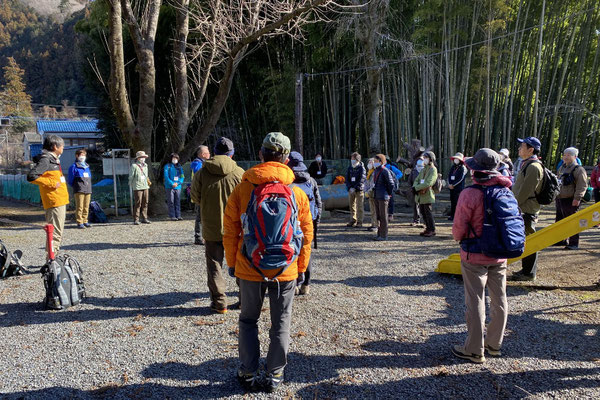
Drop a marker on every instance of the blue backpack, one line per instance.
(308, 188)
(97, 215)
(503, 234)
(272, 234)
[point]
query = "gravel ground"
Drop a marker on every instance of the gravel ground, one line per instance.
(378, 323)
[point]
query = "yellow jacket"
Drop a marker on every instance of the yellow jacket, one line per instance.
(46, 174)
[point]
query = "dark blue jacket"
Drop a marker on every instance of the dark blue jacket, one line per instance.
(80, 178)
(383, 183)
(356, 177)
(457, 176)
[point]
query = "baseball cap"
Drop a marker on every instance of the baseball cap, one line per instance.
(277, 141)
(532, 141)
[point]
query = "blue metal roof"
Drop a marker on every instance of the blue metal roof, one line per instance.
(68, 126)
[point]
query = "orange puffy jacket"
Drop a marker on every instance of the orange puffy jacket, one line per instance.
(46, 174)
(232, 225)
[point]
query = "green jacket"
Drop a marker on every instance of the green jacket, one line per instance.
(211, 188)
(527, 185)
(425, 179)
(138, 176)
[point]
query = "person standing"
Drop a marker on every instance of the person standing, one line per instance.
(211, 187)
(309, 186)
(595, 181)
(80, 179)
(412, 194)
(355, 184)
(505, 158)
(173, 176)
(396, 176)
(383, 189)
(369, 193)
(424, 188)
(456, 181)
(47, 174)
(202, 154)
(478, 270)
(280, 282)
(140, 184)
(573, 185)
(528, 182)
(318, 169)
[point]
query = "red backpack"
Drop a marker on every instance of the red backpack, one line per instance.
(272, 234)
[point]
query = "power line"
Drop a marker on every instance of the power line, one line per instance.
(416, 57)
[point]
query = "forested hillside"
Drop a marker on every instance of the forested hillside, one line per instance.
(48, 51)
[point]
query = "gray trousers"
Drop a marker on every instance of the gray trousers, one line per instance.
(281, 297)
(215, 254)
(197, 224)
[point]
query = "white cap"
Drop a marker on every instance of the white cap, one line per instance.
(504, 152)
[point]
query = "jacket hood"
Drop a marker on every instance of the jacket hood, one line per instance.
(500, 180)
(220, 165)
(269, 172)
(301, 176)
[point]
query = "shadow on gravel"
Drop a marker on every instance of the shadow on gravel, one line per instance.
(159, 305)
(119, 246)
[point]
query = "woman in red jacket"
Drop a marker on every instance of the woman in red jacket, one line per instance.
(479, 270)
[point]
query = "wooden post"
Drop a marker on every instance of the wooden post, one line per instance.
(299, 141)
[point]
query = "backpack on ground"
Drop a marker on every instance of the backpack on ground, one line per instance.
(308, 188)
(10, 262)
(503, 234)
(63, 281)
(550, 185)
(272, 234)
(97, 215)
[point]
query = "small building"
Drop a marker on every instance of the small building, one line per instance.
(32, 145)
(81, 133)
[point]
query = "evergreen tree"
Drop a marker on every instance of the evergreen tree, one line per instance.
(14, 100)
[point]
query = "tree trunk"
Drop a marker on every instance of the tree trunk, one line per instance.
(182, 95)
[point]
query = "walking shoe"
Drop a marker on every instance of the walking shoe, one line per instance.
(493, 352)
(179, 219)
(199, 241)
(359, 226)
(459, 351)
(80, 226)
(217, 310)
(429, 233)
(296, 291)
(146, 221)
(390, 217)
(173, 219)
(561, 243)
(520, 276)
(272, 382)
(371, 229)
(87, 225)
(235, 306)
(136, 222)
(571, 247)
(250, 382)
(304, 289)
(380, 239)
(350, 224)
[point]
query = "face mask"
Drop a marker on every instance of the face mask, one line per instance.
(456, 161)
(174, 161)
(318, 159)
(370, 165)
(81, 159)
(425, 162)
(377, 164)
(354, 163)
(142, 161)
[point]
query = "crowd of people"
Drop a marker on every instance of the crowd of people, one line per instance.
(263, 222)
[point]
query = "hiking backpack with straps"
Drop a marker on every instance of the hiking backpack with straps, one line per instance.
(63, 281)
(97, 214)
(272, 234)
(308, 188)
(550, 185)
(10, 262)
(503, 234)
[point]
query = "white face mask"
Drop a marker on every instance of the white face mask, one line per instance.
(377, 164)
(174, 161)
(81, 159)
(354, 163)
(142, 161)
(318, 159)
(419, 166)
(456, 161)
(426, 161)
(370, 165)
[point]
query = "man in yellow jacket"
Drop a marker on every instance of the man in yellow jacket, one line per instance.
(47, 174)
(255, 281)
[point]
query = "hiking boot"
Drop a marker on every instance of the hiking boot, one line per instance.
(493, 352)
(80, 226)
(459, 351)
(179, 219)
(272, 382)
(87, 225)
(146, 221)
(304, 289)
(350, 224)
(571, 247)
(423, 233)
(250, 382)
(136, 222)
(429, 233)
(173, 219)
(520, 276)
(561, 243)
(218, 310)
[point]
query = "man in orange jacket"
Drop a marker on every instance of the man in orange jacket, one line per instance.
(47, 174)
(254, 282)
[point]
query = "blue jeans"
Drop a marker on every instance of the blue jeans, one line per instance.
(173, 196)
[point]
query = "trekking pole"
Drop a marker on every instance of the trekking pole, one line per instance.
(315, 229)
(49, 234)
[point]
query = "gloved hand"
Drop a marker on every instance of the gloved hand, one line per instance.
(300, 279)
(231, 272)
